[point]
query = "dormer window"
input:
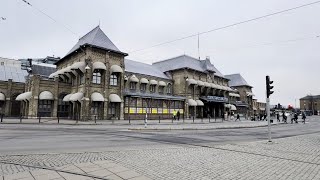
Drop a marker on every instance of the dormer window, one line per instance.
(152, 88)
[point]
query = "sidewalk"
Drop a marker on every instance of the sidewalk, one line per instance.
(79, 171)
(168, 124)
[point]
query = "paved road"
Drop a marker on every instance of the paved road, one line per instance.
(21, 139)
(114, 152)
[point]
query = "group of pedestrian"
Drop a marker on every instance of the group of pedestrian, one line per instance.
(176, 115)
(293, 119)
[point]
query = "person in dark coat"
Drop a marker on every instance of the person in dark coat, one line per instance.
(278, 117)
(178, 115)
(238, 117)
(284, 117)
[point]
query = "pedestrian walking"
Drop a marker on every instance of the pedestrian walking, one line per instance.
(304, 117)
(178, 115)
(174, 114)
(278, 117)
(284, 117)
(238, 117)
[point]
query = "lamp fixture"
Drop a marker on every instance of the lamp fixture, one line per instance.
(87, 68)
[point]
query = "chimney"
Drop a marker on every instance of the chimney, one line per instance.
(30, 62)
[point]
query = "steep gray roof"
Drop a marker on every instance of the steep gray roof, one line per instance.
(309, 97)
(237, 80)
(42, 70)
(185, 61)
(14, 73)
(142, 68)
(96, 37)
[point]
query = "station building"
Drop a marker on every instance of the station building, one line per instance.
(95, 80)
(244, 103)
(311, 104)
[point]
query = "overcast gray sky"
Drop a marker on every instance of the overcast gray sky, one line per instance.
(134, 24)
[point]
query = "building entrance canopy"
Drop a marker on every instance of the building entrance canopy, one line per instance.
(214, 99)
(24, 96)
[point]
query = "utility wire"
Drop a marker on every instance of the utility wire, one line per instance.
(227, 26)
(253, 45)
(67, 28)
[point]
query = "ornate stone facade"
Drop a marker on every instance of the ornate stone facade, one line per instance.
(95, 81)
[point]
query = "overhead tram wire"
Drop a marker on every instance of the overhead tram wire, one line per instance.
(227, 26)
(254, 45)
(67, 28)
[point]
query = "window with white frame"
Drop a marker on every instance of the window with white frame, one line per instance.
(96, 77)
(113, 80)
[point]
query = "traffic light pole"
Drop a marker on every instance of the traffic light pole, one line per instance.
(268, 118)
(268, 93)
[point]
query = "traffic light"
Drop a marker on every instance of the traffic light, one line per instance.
(269, 87)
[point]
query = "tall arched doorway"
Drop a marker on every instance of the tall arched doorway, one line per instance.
(64, 108)
(15, 107)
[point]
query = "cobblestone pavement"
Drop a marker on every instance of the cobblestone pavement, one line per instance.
(295, 157)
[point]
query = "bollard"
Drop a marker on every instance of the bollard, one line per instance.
(58, 119)
(95, 119)
(159, 119)
(193, 119)
(20, 118)
(145, 122)
(39, 119)
(77, 120)
(2, 117)
(129, 120)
